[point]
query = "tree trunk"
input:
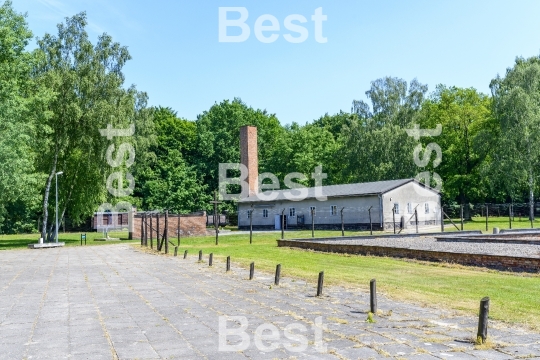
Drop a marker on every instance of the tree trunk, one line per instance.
(466, 207)
(46, 200)
(51, 233)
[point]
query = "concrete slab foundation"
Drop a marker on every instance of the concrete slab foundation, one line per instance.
(46, 245)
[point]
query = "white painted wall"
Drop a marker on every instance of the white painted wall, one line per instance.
(416, 195)
(356, 211)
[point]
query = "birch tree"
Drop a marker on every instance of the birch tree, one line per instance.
(88, 86)
(516, 105)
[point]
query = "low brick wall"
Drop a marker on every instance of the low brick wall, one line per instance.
(190, 225)
(519, 264)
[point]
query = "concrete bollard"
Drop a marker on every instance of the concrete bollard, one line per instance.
(495, 230)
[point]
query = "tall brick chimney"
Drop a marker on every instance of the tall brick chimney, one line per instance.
(249, 157)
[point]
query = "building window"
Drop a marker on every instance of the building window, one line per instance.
(427, 208)
(396, 208)
(292, 212)
(265, 213)
(333, 210)
(312, 210)
(409, 208)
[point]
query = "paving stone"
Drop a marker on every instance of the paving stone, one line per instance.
(359, 353)
(106, 299)
(491, 355)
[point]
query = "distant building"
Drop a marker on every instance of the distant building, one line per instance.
(394, 201)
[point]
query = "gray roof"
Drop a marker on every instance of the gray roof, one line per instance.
(360, 189)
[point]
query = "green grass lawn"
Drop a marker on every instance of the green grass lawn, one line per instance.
(514, 297)
(9, 242)
(479, 223)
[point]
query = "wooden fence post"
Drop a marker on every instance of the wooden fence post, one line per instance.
(278, 274)
(142, 229)
(166, 232)
(370, 222)
(394, 217)
(342, 224)
(416, 219)
(320, 283)
(178, 230)
(510, 215)
(483, 321)
(373, 296)
(146, 229)
(312, 223)
(442, 218)
(282, 224)
(251, 270)
(151, 232)
(461, 215)
(487, 216)
(159, 244)
(251, 225)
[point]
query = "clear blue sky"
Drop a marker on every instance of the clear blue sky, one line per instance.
(179, 61)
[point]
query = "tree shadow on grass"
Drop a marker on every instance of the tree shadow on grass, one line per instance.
(22, 241)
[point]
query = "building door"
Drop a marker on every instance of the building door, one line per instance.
(277, 220)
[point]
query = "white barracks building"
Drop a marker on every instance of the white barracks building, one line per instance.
(384, 202)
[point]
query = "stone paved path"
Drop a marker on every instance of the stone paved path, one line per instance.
(114, 302)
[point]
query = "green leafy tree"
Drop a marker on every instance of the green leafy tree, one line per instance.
(334, 123)
(375, 145)
(301, 149)
(516, 106)
(466, 119)
(375, 154)
(88, 85)
(167, 180)
(393, 102)
(218, 137)
(19, 97)
(174, 185)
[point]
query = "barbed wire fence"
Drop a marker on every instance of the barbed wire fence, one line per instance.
(517, 215)
(419, 217)
(339, 219)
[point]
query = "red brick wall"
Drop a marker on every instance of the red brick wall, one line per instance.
(190, 225)
(121, 219)
(490, 261)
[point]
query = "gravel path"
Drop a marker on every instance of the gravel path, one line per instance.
(430, 243)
